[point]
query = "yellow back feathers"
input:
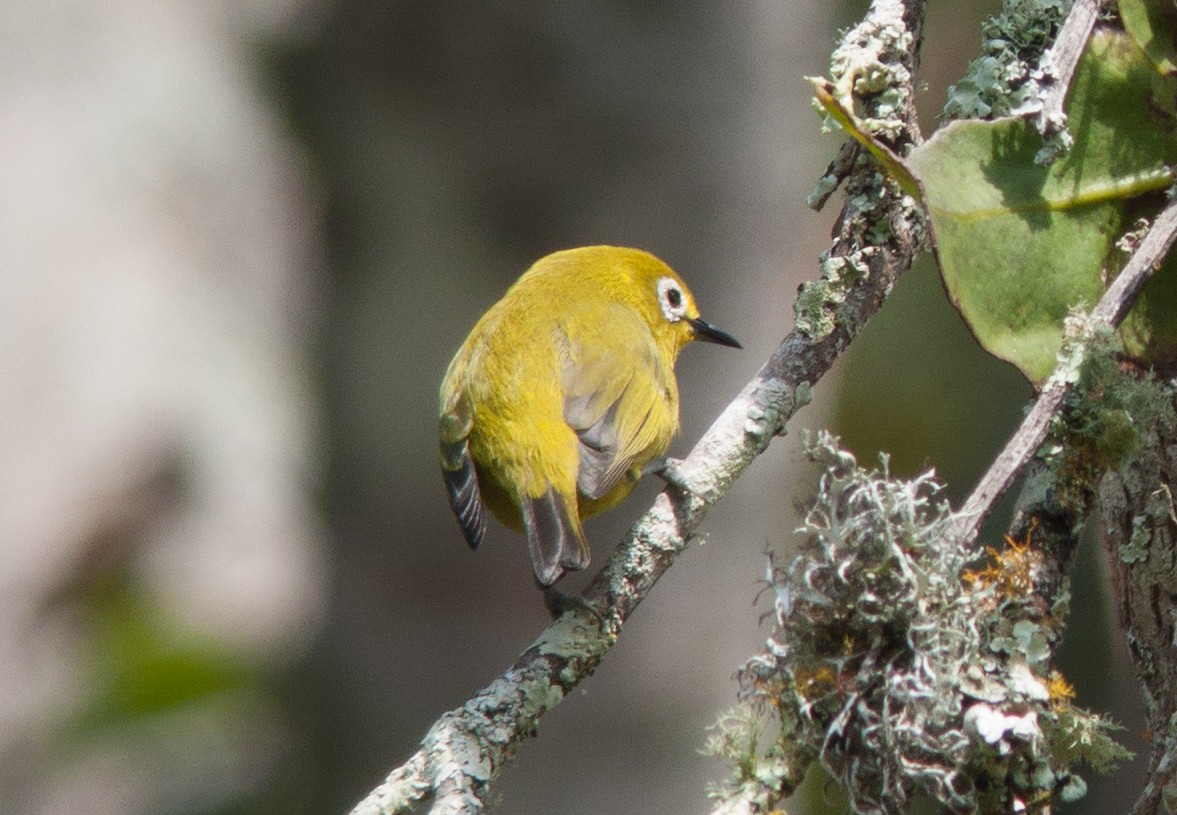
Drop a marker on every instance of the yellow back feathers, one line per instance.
(562, 393)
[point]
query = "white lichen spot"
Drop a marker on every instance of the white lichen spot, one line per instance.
(1023, 681)
(999, 729)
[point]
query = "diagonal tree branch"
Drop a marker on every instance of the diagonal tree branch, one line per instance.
(1108, 313)
(466, 747)
(878, 236)
(1057, 66)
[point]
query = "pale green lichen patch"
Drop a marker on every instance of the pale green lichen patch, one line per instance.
(1158, 512)
(1135, 551)
(802, 395)
(822, 190)
(1000, 81)
(818, 302)
(870, 63)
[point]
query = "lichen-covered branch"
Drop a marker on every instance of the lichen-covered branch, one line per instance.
(1003, 80)
(876, 240)
(467, 747)
(1115, 448)
(1054, 77)
(1017, 74)
(1139, 526)
(1139, 539)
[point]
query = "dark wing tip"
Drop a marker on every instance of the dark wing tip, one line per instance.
(461, 481)
(598, 448)
(554, 538)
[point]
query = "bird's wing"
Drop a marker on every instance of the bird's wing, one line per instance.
(457, 467)
(617, 397)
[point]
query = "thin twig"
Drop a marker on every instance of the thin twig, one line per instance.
(1109, 312)
(1059, 63)
(834, 175)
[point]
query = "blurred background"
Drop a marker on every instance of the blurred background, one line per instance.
(239, 243)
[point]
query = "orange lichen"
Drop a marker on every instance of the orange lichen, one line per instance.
(1061, 691)
(1011, 572)
(816, 683)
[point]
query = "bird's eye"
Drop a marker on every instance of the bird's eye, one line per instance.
(672, 300)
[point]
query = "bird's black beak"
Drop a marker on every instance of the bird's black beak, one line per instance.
(707, 332)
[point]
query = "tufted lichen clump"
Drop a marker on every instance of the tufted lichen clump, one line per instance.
(1110, 413)
(905, 672)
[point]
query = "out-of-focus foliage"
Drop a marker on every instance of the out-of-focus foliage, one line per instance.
(159, 552)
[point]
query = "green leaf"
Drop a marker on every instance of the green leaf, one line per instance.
(1152, 24)
(1020, 244)
(1150, 330)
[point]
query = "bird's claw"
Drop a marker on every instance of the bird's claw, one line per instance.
(670, 470)
(558, 603)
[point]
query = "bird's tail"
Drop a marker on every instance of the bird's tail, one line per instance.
(554, 536)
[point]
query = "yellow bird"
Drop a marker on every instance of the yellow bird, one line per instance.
(561, 395)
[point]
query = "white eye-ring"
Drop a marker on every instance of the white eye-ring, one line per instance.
(672, 299)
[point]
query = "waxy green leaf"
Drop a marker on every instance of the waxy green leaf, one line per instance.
(1020, 244)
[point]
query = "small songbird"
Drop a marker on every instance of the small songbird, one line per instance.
(563, 395)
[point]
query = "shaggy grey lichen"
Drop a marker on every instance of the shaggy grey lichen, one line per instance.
(903, 671)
